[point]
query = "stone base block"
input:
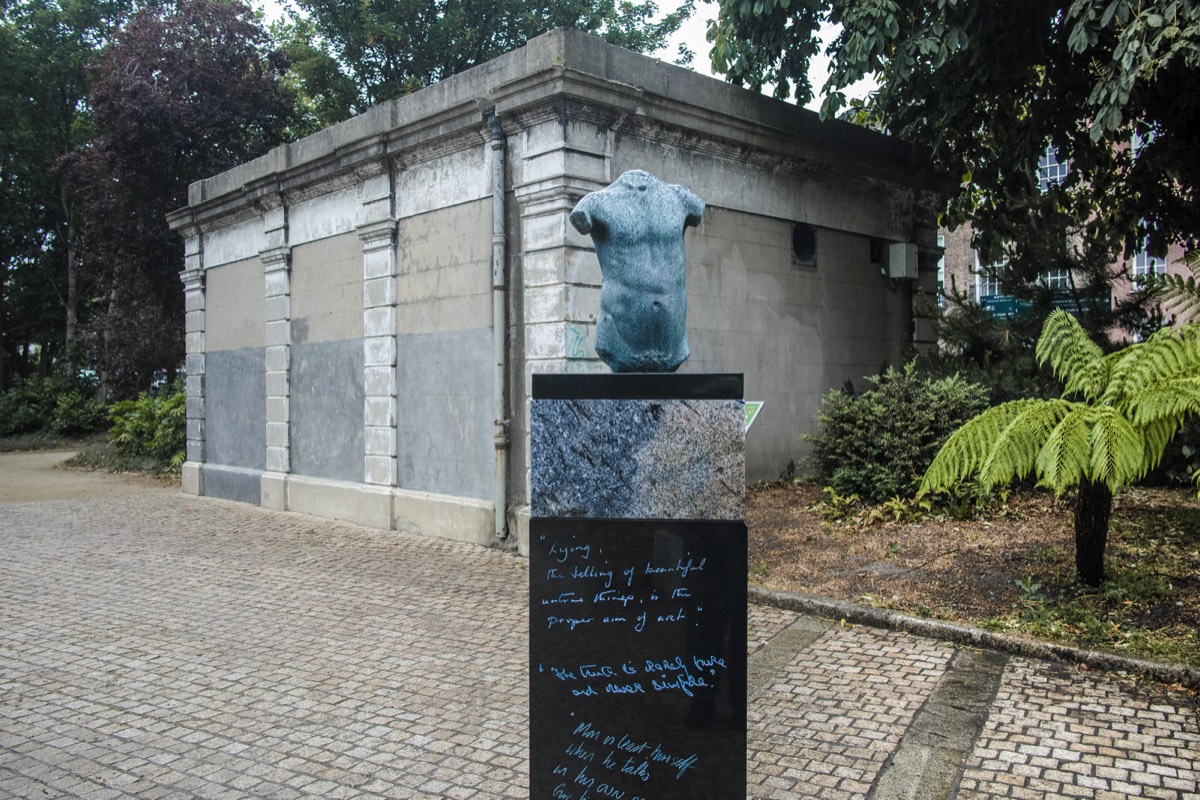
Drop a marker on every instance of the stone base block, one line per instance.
(232, 483)
(460, 518)
(352, 502)
(518, 527)
(193, 478)
(273, 488)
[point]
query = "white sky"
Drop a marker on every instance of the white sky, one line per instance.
(692, 33)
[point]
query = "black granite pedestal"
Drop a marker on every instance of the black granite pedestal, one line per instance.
(637, 588)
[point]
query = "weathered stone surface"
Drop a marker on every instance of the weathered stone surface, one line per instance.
(637, 225)
(664, 459)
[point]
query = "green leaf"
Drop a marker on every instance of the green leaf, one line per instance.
(1109, 12)
(1015, 451)
(1066, 457)
(969, 448)
(1075, 359)
(1117, 449)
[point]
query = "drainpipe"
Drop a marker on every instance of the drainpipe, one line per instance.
(499, 327)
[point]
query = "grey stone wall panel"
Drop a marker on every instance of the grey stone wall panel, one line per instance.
(444, 397)
(327, 294)
(235, 306)
(327, 410)
(235, 408)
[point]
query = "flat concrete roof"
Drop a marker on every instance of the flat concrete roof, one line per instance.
(569, 66)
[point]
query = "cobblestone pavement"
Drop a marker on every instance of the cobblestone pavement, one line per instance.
(171, 646)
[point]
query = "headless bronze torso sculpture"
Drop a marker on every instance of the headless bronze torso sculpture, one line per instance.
(637, 224)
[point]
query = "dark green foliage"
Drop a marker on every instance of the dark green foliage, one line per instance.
(77, 413)
(182, 92)
(27, 406)
(878, 443)
(1181, 459)
(49, 405)
(987, 85)
(153, 426)
(348, 56)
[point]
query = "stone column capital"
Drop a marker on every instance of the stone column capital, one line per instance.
(378, 235)
(193, 279)
(276, 259)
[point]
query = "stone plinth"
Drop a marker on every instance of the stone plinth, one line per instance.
(637, 621)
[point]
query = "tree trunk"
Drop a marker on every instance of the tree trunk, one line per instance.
(3, 332)
(104, 363)
(72, 299)
(1093, 507)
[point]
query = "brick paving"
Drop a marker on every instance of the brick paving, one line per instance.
(827, 724)
(162, 646)
(1054, 733)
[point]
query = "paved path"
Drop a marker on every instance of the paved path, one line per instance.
(40, 476)
(169, 646)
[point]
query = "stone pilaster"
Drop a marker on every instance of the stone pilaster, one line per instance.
(378, 235)
(277, 276)
(379, 352)
(561, 274)
(194, 303)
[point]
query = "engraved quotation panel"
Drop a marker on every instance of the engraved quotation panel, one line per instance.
(637, 659)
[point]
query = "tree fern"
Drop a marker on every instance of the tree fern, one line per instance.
(1118, 449)
(1167, 400)
(1117, 415)
(1013, 454)
(1065, 457)
(968, 448)
(1167, 356)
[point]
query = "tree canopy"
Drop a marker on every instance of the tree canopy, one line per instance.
(349, 55)
(180, 94)
(45, 47)
(989, 86)
(112, 107)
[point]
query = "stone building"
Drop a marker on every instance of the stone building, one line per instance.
(366, 306)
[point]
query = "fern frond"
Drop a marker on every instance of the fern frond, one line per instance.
(1182, 293)
(1066, 457)
(1157, 435)
(1014, 452)
(1118, 449)
(1167, 355)
(1076, 360)
(968, 448)
(1173, 399)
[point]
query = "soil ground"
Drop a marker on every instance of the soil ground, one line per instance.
(1011, 569)
(38, 475)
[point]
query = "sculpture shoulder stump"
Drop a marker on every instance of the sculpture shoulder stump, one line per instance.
(637, 224)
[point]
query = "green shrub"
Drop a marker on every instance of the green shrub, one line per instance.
(76, 413)
(153, 426)
(877, 444)
(38, 405)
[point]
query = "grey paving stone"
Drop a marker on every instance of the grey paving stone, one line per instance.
(173, 646)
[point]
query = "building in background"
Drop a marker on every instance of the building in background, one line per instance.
(962, 269)
(366, 306)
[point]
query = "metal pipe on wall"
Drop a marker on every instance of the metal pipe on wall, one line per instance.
(499, 326)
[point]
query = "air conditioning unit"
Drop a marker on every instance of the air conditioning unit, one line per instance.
(902, 260)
